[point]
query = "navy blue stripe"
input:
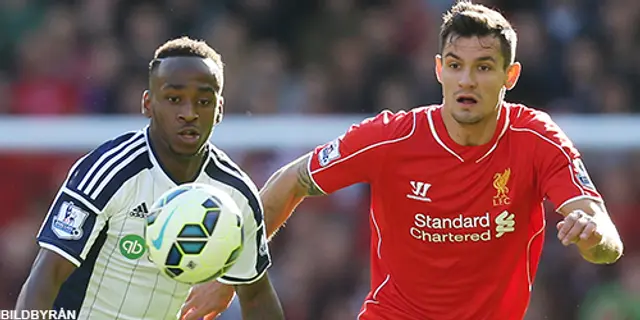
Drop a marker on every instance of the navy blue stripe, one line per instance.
(89, 161)
(225, 161)
(140, 163)
(218, 174)
(93, 176)
(124, 158)
(263, 260)
(74, 290)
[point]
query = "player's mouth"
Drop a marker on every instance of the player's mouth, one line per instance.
(467, 100)
(189, 135)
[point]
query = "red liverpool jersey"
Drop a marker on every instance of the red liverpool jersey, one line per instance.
(457, 231)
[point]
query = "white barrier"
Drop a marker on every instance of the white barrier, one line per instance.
(84, 133)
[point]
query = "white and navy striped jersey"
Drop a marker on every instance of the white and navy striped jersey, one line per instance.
(97, 222)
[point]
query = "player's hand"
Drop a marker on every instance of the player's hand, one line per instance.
(207, 300)
(580, 228)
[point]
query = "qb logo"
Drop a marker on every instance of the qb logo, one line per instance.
(132, 246)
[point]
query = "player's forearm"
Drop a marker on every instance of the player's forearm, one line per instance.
(259, 301)
(608, 251)
(279, 200)
(284, 190)
(263, 307)
(37, 293)
(609, 248)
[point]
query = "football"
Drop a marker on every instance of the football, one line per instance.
(194, 233)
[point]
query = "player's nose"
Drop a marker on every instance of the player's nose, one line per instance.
(187, 112)
(466, 79)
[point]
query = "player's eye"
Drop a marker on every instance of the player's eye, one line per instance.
(484, 68)
(204, 102)
(173, 99)
(454, 65)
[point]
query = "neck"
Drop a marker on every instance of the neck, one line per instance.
(180, 168)
(472, 134)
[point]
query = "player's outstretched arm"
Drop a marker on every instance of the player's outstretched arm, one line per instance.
(588, 225)
(284, 190)
(48, 273)
(259, 300)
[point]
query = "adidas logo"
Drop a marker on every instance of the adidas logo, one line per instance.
(140, 211)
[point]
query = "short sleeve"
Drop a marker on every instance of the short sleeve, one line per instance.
(561, 170)
(254, 260)
(358, 155)
(72, 224)
(80, 210)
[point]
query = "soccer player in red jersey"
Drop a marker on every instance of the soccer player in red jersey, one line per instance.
(456, 189)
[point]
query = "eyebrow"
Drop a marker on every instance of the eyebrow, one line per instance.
(483, 58)
(169, 86)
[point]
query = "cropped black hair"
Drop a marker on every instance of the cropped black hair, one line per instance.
(466, 19)
(186, 47)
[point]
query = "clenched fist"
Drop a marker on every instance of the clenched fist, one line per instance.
(580, 228)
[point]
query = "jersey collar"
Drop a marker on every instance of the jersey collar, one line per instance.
(161, 170)
(467, 153)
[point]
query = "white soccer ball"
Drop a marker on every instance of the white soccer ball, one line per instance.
(194, 233)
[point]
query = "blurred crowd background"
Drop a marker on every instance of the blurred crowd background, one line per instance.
(90, 57)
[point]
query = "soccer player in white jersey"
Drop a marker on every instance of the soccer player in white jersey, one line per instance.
(92, 257)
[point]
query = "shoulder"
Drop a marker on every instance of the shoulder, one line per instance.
(393, 124)
(388, 126)
(537, 127)
(522, 116)
(99, 174)
(220, 165)
(222, 169)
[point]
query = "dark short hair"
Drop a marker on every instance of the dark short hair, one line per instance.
(466, 19)
(186, 47)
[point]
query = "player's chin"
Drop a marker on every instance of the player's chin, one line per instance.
(186, 149)
(467, 117)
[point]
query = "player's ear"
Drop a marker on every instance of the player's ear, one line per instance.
(438, 59)
(513, 74)
(219, 111)
(146, 104)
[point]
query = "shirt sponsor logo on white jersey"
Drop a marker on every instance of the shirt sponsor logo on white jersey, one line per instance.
(132, 246)
(67, 224)
(462, 228)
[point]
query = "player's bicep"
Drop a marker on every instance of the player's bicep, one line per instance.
(51, 268)
(70, 227)
(304, 180)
